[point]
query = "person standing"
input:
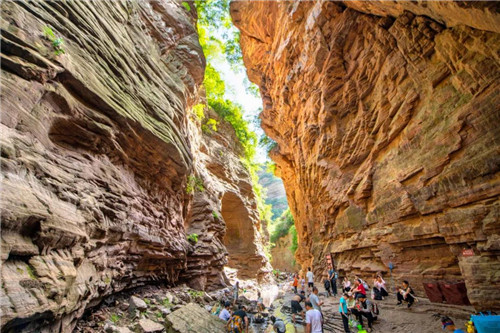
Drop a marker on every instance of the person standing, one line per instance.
(333, 280)
(295, 283)
(235, 292)
(310, 279)
(344, 312)
(326, 284)
(314, 299)
(314, 319)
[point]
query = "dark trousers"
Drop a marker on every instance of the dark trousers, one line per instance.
(409, 298)
(334, 286)
(361, 314)
(295, 289)
(345, 321)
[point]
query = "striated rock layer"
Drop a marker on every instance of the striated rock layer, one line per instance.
(97, 154)
(386, 117)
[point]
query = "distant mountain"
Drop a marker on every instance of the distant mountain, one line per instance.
(276, 195)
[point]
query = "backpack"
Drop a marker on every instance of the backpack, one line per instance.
(365, 285)
(235, 324)
(375, 309)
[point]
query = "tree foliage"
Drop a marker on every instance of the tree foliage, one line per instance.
(282, 226)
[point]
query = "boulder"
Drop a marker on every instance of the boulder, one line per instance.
(149, 326)
(193, 318)
(137, 303)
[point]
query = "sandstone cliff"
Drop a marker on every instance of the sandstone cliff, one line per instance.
(97, 152)
(386, 117)
(282, 257)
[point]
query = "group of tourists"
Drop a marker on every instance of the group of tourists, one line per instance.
(354, 307)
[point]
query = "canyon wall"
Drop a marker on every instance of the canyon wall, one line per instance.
(386, 117)
(104, 170)
(282, 257)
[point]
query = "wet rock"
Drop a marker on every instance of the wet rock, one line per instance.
(149, 326)
(192, 317)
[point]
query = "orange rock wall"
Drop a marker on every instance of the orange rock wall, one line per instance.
(387, 129)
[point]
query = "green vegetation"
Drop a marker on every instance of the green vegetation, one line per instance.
(31, 272)
(186, 5)
(281, 226)
(195, 293)
(212, 14)
(295, 244)
(115, 318)
(57, 42)
(193, 238)
(198, 111)
(215, 215)
(194, 184)
(147, 301)
(166, 303)
(210, 126)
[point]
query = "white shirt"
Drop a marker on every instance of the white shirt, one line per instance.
(310, 277)
(313, 317)
(224, 315)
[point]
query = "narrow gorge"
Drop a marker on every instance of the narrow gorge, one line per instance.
(118, 171)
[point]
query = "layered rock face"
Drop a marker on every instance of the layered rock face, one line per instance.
(387, 129)
(282, 257)
(97, 154)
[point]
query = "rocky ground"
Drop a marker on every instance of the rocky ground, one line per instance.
(181, 309)
(423, 317)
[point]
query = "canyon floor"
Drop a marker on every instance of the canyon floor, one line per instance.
(160, 309)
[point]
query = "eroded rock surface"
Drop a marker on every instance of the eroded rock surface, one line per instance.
(387, 128)
(97, 152)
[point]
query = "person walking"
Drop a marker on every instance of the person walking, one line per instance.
(344, 312)
(314, 319)
(310, 279)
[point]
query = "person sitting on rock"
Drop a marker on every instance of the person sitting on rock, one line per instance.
(239, 321)
(449, 325)
(326, 284)
(225, 314)
(379, 290)
(278, 325)
(406, 294)
(364, 309)
(346, 285)
(359, 289)
(295, 304)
